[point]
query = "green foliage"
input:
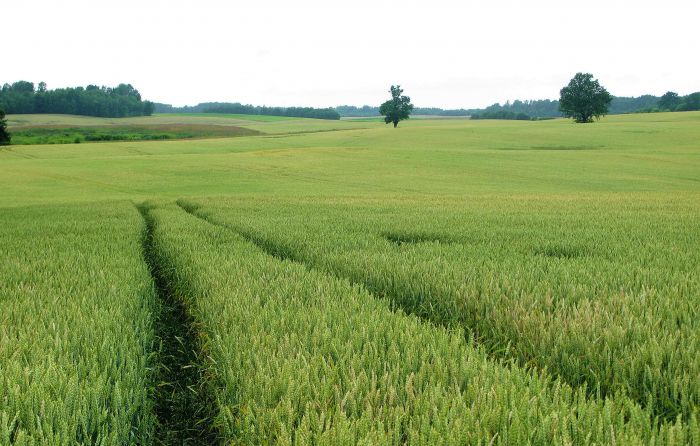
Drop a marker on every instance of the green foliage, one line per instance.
(584, 99)
(536, 109)
(75, 326)
(5, 137)
(292, 112)
(237, 108)
(673, 102)
(398, 108)
(367, 111)
(669, 101)
(357, 112)
(501, 114)
(690, 102)
(638, 104)
(123, 100)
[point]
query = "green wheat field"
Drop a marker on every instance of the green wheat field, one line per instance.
(306, 282)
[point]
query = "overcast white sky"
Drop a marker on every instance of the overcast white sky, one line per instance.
(447, 54)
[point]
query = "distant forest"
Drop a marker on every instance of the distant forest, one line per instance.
(350, 111)
(124, 100)
(545, 108)
(246, 109)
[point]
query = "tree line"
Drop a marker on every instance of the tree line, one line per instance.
(124, 100)
(671, 101)
(583, 100)
(545, 108)
(351, 111)
(501, 114)
(247, 109)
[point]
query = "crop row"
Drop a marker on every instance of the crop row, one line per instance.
(297, 356)
(602, 295)
(300, 357)
(76, 302)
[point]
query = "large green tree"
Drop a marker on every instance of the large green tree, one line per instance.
(584, 99)
(398, 108)
(670, 101)
(4, 136)
(690, 102)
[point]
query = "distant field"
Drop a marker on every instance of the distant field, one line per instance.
(343, 282)
(363, 118)
(264, 124)
(57, 120)
(155, 132)
(256, 118)
(654, 153)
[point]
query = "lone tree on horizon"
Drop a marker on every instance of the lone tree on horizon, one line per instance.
(584, 99)
(4, 136)
(397, 108)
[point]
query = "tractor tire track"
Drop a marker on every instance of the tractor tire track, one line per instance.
(184, 405)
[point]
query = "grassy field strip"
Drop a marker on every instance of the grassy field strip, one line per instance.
(266, 124)
(228, 116)
(36, 120)
(76, 331)
(184, 404)
(305, 358)
(439, 158)
(546, 291)
(76, 135)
